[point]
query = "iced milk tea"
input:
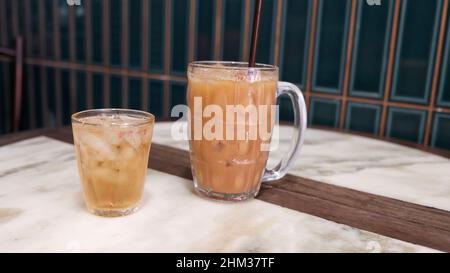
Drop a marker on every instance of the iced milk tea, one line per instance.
(230, 169)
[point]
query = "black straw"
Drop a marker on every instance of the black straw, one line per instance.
(255, 33)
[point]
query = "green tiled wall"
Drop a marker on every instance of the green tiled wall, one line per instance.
(406, 124)
(177, 94)
(363, 117)
(412, 68)
(156, 35)
(370, 54)
(115, 32)
(331, 40)
(232, 31)
(444, 88)
(81, 91)
(115, 91)
(134, 93)
(180, 23)
(441, 131)
(414, 59)
(324, 112)
(66, 99)
(3, 108)
(51, 95)
(155, 88)
(295, 41)
(205, 27)
(96, 30)
(264, 53)
(98, 93)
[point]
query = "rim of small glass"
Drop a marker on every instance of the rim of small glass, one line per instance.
(232, 65)
(147, 118)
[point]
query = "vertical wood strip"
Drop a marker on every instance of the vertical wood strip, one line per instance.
(218, 30)
(3, 23)
(28, 32)
(145, 38)
(88, 30)
(105, 36)
(247, 12)
(72, 54)
(30, 78)
(42, 47)
(390, 66)
(192, 30)
(105, 46)
(145, 43)
(56, 30)
(124, 92)
(18, 85)
(144, 95)
(15, 18)
(106, 91)
(278, 25)
(124, 33)
(89, 91)
(3, 40)
(72, 34)
(348, 63)
(44, 110)
(7, 96)
(88, 23)
(436, 72)
(167, 53)
(312, 42)
(31, 97)
(73, 90)
(6, 101)
(58, 97)
(57, 54)
(124, 46)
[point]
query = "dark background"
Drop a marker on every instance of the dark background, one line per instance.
(376, 69)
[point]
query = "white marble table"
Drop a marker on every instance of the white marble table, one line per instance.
(41, 209)
(359, 163)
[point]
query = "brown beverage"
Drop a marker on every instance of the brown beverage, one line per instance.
(112, 148)
(224, 168)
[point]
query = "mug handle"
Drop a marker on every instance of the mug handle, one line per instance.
(298, 102)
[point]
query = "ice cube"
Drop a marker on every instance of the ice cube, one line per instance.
(97, 144)
(127, 152)
(113, 137)
(104, 175)
(134, 138)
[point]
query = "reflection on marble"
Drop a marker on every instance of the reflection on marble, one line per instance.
(41, 210)
(360, 163)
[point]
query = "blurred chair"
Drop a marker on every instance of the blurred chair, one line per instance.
(17, 55)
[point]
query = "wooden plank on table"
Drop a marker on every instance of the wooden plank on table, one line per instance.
(386, 216)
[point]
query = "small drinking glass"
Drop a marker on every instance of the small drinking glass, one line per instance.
(112, 148)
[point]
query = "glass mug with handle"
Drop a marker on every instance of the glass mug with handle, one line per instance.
(231, 120)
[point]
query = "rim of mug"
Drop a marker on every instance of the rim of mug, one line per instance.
(147, 118)
(232, 65)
